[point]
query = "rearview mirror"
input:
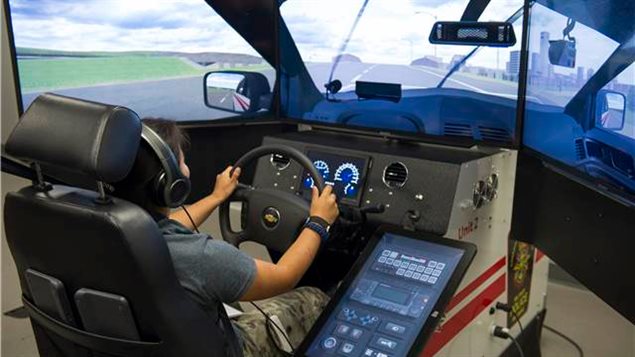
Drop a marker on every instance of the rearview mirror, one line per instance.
(495, 34)
(562, 53)
(610, 110)
(236, 91)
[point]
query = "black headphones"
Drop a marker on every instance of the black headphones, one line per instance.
(171, 188)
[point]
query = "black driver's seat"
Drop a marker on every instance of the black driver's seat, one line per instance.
(65, 239)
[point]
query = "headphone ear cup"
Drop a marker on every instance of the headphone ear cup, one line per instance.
(159, 191)
(178, 192)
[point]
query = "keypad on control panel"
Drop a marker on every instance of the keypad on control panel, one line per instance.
(354, 326)
(426, 271)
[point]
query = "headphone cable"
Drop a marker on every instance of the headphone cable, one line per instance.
(191, 220)
(284, 334)
(267, 318)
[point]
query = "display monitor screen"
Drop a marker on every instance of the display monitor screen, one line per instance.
(580, 110)
(345, 173)
(149, 56)
(374, 68)
(387, 304)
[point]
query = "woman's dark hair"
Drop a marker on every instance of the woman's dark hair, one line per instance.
(138, 186)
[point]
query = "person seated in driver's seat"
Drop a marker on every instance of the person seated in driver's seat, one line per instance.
(214, 271)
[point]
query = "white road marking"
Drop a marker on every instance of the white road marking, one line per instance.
(357, 77)
(474, 88)
(477, 89)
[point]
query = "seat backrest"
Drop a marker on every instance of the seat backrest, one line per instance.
(88, 241)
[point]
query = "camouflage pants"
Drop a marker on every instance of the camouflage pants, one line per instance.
(297, 310)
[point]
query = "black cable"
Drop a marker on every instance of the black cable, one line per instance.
(567, 338)
(520, 350)
(284, 334)
(503, 332)
(508, 309)
(517, 320)
(191, 220)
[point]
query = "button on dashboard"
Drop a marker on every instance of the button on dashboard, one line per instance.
(394, 329)
(347, 348)
(342, 329)
(329, 343)
(384, 343)
(356, 333)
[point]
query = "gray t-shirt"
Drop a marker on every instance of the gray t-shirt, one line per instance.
(211, 270)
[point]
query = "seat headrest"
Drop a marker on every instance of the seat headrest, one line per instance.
(89, 138)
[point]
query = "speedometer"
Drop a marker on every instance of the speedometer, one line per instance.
(348, 175)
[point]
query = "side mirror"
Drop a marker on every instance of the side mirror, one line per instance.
(610, 110)
(470, 33)
(236, 91)
(562, 53)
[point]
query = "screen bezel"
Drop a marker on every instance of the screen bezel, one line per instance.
(469, 251)
(363, 173)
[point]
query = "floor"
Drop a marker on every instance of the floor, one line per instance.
(571, 309)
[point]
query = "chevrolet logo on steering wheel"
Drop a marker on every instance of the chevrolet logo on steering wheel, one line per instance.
(270, 217)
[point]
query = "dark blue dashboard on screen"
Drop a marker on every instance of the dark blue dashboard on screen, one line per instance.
(384, 309)
(345, 173)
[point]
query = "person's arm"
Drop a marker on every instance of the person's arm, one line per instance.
(273, 279)
(202, 209)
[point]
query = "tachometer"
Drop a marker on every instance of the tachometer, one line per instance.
(348, 175)
(323, 169)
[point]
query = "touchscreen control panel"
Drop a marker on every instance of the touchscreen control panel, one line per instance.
(386, 306)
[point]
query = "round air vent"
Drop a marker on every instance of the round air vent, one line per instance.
(492, 187)
(395, 175)
(478, 195)
(279, 161)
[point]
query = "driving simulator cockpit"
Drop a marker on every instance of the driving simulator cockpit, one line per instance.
(468, 143)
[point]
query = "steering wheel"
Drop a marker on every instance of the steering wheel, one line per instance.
(274, 217)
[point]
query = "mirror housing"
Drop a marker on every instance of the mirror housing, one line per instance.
(610, 110)
(562, 53)
(472, 33)
(236, 91)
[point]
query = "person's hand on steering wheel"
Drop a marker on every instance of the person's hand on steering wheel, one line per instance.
(226, 184)
(324, 205)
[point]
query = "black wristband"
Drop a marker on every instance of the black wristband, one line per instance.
(321, 221)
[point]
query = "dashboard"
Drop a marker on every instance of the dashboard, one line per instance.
(414, 183)
(345, 173)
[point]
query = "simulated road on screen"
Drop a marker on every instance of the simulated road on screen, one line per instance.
(182, 98)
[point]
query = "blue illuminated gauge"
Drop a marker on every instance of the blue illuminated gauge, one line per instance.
(324, 170)
(348, 175)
